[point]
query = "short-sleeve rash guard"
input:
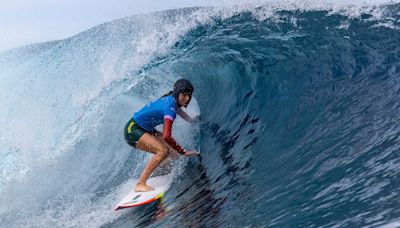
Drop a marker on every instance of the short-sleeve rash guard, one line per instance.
(153, 114)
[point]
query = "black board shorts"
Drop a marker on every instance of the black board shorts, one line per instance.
(133, 132)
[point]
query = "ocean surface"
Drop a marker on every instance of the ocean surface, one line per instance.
(299, 106)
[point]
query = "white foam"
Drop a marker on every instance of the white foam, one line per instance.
(267, 9)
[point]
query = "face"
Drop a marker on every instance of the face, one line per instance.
(184, 99)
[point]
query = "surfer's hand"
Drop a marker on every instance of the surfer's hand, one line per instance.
(191, 153)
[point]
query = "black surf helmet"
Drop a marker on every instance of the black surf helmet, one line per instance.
(182, 86)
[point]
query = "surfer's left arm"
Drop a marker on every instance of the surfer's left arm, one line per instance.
(167, 136)
(186, 117)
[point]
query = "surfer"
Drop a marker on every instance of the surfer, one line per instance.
(140, 132)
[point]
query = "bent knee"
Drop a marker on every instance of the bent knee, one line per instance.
(163, 152)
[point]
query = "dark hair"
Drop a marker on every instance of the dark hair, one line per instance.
(169, 93)
(180, 86)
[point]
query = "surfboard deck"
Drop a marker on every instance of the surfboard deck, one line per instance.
(160, 184)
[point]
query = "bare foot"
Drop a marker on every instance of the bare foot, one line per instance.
(143, 188)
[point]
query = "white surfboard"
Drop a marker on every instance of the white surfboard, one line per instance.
(160, 184)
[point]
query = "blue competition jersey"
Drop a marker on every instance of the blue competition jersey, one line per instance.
(154, 113)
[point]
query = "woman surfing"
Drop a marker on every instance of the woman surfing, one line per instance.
(140, 130)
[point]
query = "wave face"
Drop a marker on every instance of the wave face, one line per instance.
(299, 107)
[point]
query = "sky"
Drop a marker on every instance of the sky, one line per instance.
(25, 22)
